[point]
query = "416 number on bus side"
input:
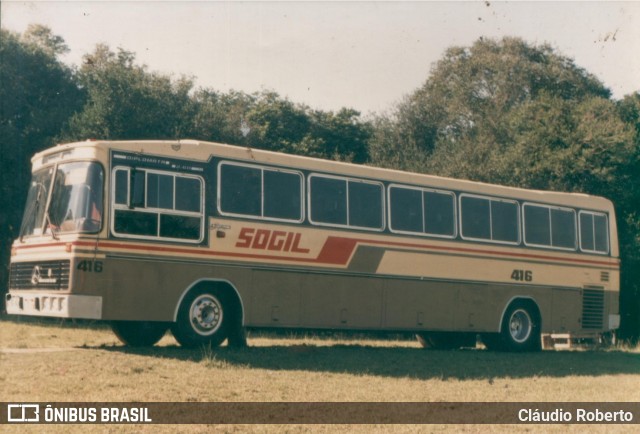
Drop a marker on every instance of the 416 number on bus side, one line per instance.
(522, 275)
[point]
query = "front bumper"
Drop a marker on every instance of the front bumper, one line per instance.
(54, 305)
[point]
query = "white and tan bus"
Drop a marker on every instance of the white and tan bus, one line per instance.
(208, 239)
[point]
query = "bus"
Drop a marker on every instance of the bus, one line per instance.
(209, 240)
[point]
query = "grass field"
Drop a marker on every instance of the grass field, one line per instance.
(60, 361)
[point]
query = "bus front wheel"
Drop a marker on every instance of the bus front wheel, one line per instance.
(203, 319)
(139, 333)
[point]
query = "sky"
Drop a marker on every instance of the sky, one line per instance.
(364, 55)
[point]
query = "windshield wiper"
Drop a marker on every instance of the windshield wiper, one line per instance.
(50, 225)
(25, 221)
(33, 207)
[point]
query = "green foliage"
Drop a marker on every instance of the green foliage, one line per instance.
(125, 101)
(43, 38)
(516, 114)
(220, 117)
(267, 121)
(391, 147)
(37, 96)
(465, 104)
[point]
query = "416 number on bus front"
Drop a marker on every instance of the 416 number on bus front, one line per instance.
(90, 266)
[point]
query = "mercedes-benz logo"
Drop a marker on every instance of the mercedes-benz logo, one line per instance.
(37, 276)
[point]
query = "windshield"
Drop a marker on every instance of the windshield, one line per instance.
(75, 202)
(36, 202)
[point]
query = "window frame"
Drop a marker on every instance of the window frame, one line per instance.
(422, 190)
(549, 208)
(262, 169)
(347, 179)
(491, 199)
(579, 229)
(158, 211)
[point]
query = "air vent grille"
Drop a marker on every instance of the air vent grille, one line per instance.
(592, 308)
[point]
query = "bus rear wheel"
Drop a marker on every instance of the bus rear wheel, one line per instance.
(139, 333)
(520, 329)
(203, 319)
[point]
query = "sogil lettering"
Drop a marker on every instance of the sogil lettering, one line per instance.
(265, 239)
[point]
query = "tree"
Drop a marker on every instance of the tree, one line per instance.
(43, 38)
(629, 227)
(221, 117)
(342, 134)
(275, 123)
(523, 115)
(125, 101)
(267, 121)
(37, 96)
(470, 92)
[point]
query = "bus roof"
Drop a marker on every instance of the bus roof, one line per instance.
(204, 151)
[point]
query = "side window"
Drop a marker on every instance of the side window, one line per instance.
(152, 204)
(594, 232)
(240, 190)
(283, 195)
(504, 221)
(160, 193)
(495, 220)
(406, 210)
(260, 192)
(476, 217)
(121, 188)
(346, 202)
(328, 200)
(439, 213)
(422, 211)
(563, 228)
(537, 225)
(546, 226)
(188, 194)
(366, 208)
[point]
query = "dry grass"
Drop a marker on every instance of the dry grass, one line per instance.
(65, 362)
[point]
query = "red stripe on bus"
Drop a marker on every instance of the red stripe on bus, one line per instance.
(336, 251)
(489, 252)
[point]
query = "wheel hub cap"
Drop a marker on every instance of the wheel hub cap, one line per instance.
(206, 314)
(520, 326)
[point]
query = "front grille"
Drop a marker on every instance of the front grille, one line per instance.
(40, 275)
(592, 308)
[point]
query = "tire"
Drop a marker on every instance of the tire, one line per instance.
(608, 339)
(446, 340)
(203, 319)
(520, 329)
(139, 333)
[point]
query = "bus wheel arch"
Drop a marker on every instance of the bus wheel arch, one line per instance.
(520, 327)
(207, 313)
